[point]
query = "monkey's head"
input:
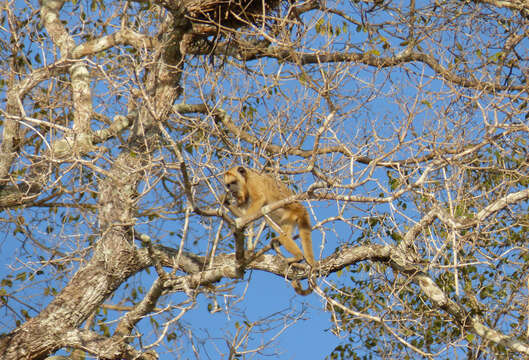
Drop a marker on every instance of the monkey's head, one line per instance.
(235, 181)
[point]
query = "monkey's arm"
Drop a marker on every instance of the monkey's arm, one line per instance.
(257, 201)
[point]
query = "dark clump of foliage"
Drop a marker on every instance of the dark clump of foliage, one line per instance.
(229, 14)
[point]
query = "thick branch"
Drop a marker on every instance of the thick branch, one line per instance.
(80, 79)
(101, 346)
(288, 55)
(144, 307)
(517, 5)
(502, 203)
(121, 37)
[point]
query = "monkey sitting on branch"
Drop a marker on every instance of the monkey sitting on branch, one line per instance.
(249, 191)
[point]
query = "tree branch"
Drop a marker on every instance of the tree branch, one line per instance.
(101, 346)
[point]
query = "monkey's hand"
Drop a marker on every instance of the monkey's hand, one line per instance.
(225, 199)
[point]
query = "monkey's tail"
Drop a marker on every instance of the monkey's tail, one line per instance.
(299, 289)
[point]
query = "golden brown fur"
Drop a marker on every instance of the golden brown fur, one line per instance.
(249, 191)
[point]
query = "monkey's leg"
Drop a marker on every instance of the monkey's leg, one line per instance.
(306, 239)
(285, 238)
(276, 245)
(285, 233)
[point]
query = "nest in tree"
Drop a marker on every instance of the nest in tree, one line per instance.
(230, 14)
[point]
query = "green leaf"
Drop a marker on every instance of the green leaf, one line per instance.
(21, 276)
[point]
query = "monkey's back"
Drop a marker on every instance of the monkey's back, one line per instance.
(275, 190)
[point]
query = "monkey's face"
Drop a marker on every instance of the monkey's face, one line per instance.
(233, 187)
(236, 185)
